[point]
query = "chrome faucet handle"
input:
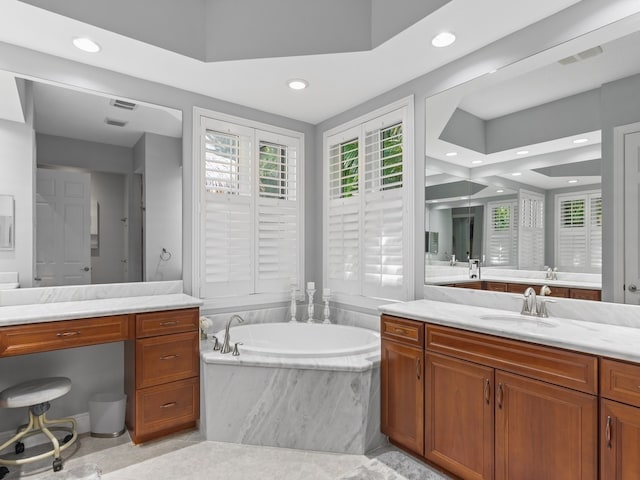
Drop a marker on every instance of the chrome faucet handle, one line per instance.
(236, 352)
(525, 307)
(216, 343)
(542, 311)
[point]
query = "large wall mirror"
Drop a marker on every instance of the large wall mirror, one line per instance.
(97, 182)
(514, 167)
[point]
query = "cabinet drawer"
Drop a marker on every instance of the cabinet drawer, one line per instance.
(166, 407)
(561, 367)
(620, 381)
(166, 358)
(584, 294)
(496, 286)
(44, 337)
(163, 323)
(409, 332)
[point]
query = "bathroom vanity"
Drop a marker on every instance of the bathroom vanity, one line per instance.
(161, 350)
(489, 394)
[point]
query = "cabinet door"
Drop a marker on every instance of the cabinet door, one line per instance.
(402, 388)
(543, 431)
(620, 441)
(459, 416)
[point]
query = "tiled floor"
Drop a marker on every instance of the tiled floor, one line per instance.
(187, 456)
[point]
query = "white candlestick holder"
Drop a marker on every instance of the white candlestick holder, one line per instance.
(294, 305)
(325, 299)
(310, 292)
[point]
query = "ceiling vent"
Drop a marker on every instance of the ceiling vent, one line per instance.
(115, 123)
(592, 52)
(123, 104)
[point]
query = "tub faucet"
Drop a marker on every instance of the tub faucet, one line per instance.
(529, 308)
(226, 346)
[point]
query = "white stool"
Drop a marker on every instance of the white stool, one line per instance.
(36, 395)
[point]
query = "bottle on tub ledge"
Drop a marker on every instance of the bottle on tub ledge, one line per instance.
(311, 290)
(326, 294)
(294, 303)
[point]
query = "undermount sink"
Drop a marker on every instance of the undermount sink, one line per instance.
(516, 319)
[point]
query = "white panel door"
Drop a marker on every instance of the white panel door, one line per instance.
(632, 218)
(63, 239)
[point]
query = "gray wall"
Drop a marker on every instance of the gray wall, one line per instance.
(17, 178)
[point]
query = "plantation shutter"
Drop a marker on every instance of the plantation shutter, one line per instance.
(227, 232)
(343, 218)
(278, 212)
(502, 233)
(531, 230)
(579, 227)
(384, 208)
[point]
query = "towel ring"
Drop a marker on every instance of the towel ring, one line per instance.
(165, 256)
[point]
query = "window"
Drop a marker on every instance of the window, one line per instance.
(368, 203)
(502, 233)
(531, 230)
(579, 232)
(251, 222)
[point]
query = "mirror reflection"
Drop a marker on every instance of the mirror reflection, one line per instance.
(6, 222)
(99, 181)
(513, 174)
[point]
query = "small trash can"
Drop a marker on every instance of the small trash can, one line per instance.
(106, 414)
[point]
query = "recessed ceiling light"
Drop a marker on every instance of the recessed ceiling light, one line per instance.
(476, 162)
(86, 45)
(522, 152)
(516, 174)
(297, 84)
(581, 140)
(434, 201)
(573, 180)
(500, 191)
(443, 39)
(464, 198)
(451, 154)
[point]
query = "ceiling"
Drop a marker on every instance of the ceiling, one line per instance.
(76, 114)
(337, 81)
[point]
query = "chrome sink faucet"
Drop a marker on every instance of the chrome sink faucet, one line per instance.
(530, 304)
(226, 346)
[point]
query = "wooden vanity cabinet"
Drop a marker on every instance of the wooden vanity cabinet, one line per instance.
(162, 374)
(402, 382)
(619, 420)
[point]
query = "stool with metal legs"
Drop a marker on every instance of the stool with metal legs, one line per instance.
(36, 395)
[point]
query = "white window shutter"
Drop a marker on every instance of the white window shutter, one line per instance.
(227, 209)
(531, 230)
(579, 232)
(278, 212)
(502, 233)
(384, 209)
(595, 231)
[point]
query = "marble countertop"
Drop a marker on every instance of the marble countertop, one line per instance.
(448, 279)
(47, 312)
(589, 337)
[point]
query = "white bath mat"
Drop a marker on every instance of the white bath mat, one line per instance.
(394, 466)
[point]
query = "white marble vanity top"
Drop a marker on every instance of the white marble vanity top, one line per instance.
(613, 341)
(47, 312)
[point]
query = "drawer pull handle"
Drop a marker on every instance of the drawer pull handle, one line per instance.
(400, 330)
(68, 334)
(169, 405)
(418, 369)
(166, 324)
(608, 431)
(487, 391)
(499, 396)
(169, 357)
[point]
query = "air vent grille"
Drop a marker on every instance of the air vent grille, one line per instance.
(592, 52)
(123, 104)
(115, 123)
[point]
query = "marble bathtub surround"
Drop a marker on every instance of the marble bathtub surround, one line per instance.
(583, 310)
(74, 293)
(607, 339)
(316, 409)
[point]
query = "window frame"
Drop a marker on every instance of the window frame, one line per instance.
(199, 201)
(344, 133)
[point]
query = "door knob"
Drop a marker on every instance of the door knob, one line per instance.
(632, 288)
(86, 269)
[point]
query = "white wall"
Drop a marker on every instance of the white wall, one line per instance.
(163, 207)
(17, 168)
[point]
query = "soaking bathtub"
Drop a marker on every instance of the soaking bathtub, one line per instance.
(295, 385)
